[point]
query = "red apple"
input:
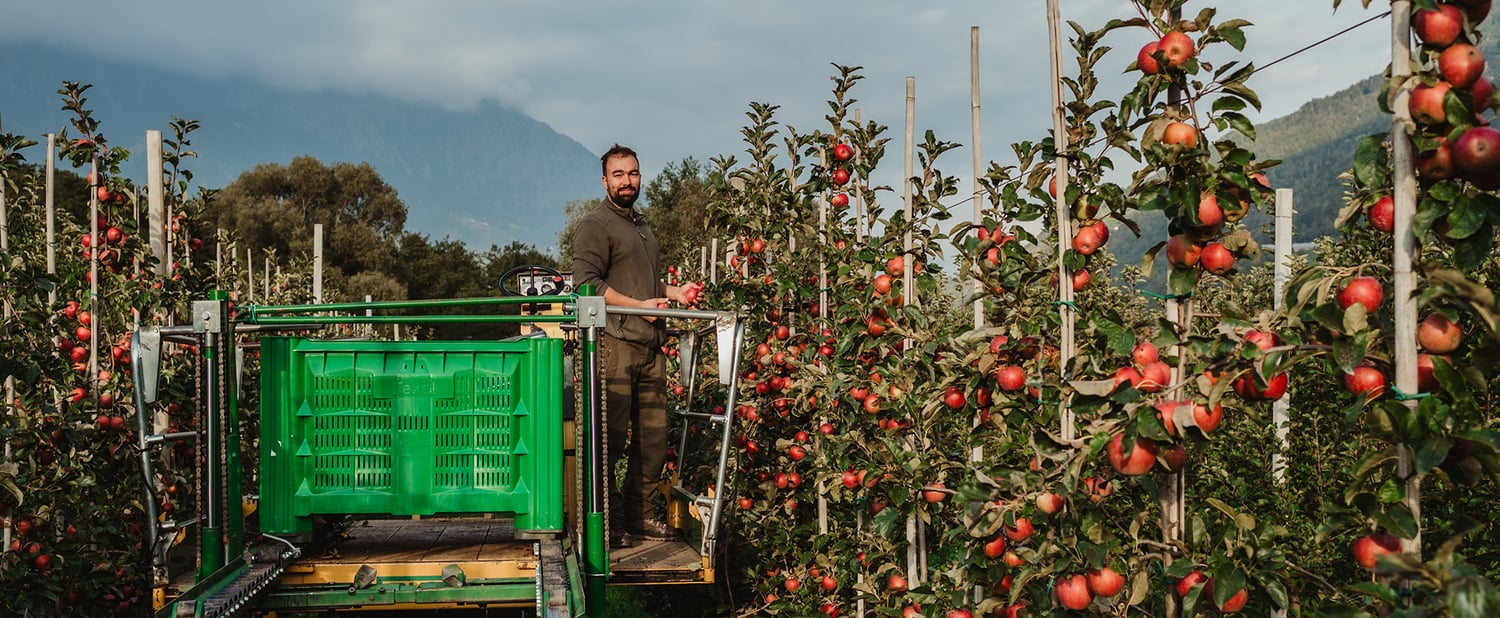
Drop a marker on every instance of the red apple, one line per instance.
(1020, 530)
(1365, 381)
(843, 152)
(1087, 240)
(1185, 585)
(1182, 252)
(934, 492)
(1439, 335)
(1154, 377)
(1426, 104)
(1180, 134)
(1366, 291)
(1049, 503)
(953, 398)
(896, 266)
(1010, 378)
(1438, 28)
(1081, 279)
(796, 452)
(1461, 65)
(1476, 153)
(1073, 592)
(1176, 49)
(1216, 258)
(1247, 389)
(1207, 419)
(792, 584)
(1145, 59)
(1436, 164)
(1234, 603)
(1426, 379)
(995, 547)
(839, 200)
(896, 583)
(1210, 215)
(1098, 488)
(1138, 461)
(1173, 458)
(1369, 548)
(1383, 214)
(1127, 374)
(1477, 10)
(1144, 354)
(1481, 92)
(1262, 340)
(1105, 582)
(841, 177)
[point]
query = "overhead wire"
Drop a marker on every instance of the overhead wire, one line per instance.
(1254, 71)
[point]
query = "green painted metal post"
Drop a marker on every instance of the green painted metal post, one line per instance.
(595, 547)
(234, 495)
(211, 537)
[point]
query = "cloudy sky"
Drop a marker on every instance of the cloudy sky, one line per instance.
(674, 77)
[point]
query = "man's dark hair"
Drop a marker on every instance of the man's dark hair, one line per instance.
(615, 151)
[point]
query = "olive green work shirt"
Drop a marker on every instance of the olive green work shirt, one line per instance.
(615, 248)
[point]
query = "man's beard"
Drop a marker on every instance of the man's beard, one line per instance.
(623, 200)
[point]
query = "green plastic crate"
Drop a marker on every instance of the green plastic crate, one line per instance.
(411, 428)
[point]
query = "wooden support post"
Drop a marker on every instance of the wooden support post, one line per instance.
(1065, 307)
(156, 204)
(914, 573)
(95, 239)
(51, 208)
(317, 282)
(978, 159)
(1280, 411)
(1405, 253)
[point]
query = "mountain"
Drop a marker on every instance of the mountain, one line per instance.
(486, 176)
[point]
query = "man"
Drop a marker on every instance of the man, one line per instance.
(615, 249)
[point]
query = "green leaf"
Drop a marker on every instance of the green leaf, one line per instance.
(1431, 452)
(1398, 521)
(1240, 123)
(1274, 589)
(1465, 218)
(1369, 160)
(1244, 92)
(1234, 36)
(1140, 586)
(1182, 280)
(1228, 104)
(1469, 597)
(1377, 590)
(1391, 491)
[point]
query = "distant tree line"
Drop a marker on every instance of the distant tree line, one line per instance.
(367, 249)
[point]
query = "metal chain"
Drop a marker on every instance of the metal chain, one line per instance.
(227, 504)
(200, 447)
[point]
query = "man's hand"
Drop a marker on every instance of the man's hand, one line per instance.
(653, 303)
(688, 294)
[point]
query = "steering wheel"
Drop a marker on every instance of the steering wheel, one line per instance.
(549, 283)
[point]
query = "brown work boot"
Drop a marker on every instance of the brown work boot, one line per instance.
(652, 529)
(620, 538)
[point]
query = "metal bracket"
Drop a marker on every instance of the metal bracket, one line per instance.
(725, 327)
(208, 316)
(591, 312)
(145, 350)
